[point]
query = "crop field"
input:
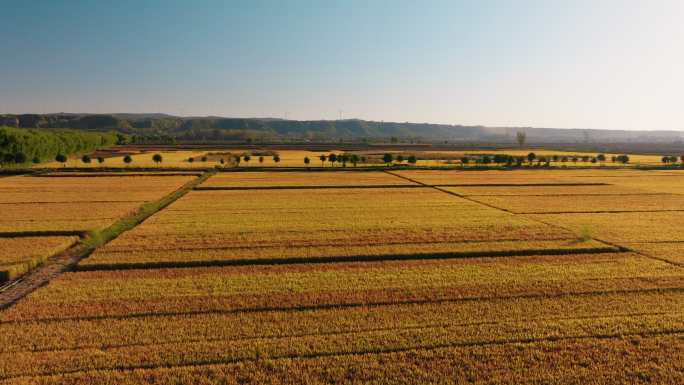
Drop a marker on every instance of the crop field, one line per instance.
(303, 179)
(584, 203)
(76, 203)
(321, 277)
(210, 227)
(21, 254)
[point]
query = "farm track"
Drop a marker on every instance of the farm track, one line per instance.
(68, 259)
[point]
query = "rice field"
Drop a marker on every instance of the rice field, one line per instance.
(502, 277)
(20, 254)
(230, 227)
(76, 203)
(303, 179)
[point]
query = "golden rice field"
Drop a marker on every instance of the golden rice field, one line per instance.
(237, 226)
(368, 277)
(21, 254)
(34, 203)
(297, 179)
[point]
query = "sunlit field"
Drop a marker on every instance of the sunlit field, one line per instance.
(406, 275)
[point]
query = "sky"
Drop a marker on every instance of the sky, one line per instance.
(613, 64)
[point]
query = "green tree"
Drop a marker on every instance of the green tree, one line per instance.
(247, 158)
(100, 160)
(20, 157)
(86, 159)
(35, 160)
(276, 159)
(354, 159)
(387, 158)
(157, 158)
(322, 158)
(307, 161)
(412, 159)
(465, 160)
(332, 158)
(191, 159)
(601, 157)
(61, 158)
(531, 157)
(127, 159)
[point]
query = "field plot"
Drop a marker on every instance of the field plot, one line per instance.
(303, 179)
(626, 227)
(585, 203)
(532, 177)
(671, 251)
(230, 227)
(85, 188)
(76, 203)
(269, 279)
(127, 292)
(179, 317)
(19, 255)
(572, 361)
(558, 191)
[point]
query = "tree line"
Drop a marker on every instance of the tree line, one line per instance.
(532, 158)
(21, 146)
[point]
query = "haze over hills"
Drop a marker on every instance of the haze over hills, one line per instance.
(214, 128)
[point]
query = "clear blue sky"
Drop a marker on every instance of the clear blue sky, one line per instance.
(552, 63)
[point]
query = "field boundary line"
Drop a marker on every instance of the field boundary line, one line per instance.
(333, 306)
(596, 212)
(68, 259)
(505, 184)
(570, 195)
(427, 347)
(339, 259)
(46, 233)
(312, 187)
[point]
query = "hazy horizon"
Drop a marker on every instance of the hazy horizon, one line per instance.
(582, 64)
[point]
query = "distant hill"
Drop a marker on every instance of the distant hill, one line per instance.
(162, 127)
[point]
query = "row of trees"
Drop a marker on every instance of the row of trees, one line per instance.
(672, 159)
(531, 158)
(87, 159)
(21, 146)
